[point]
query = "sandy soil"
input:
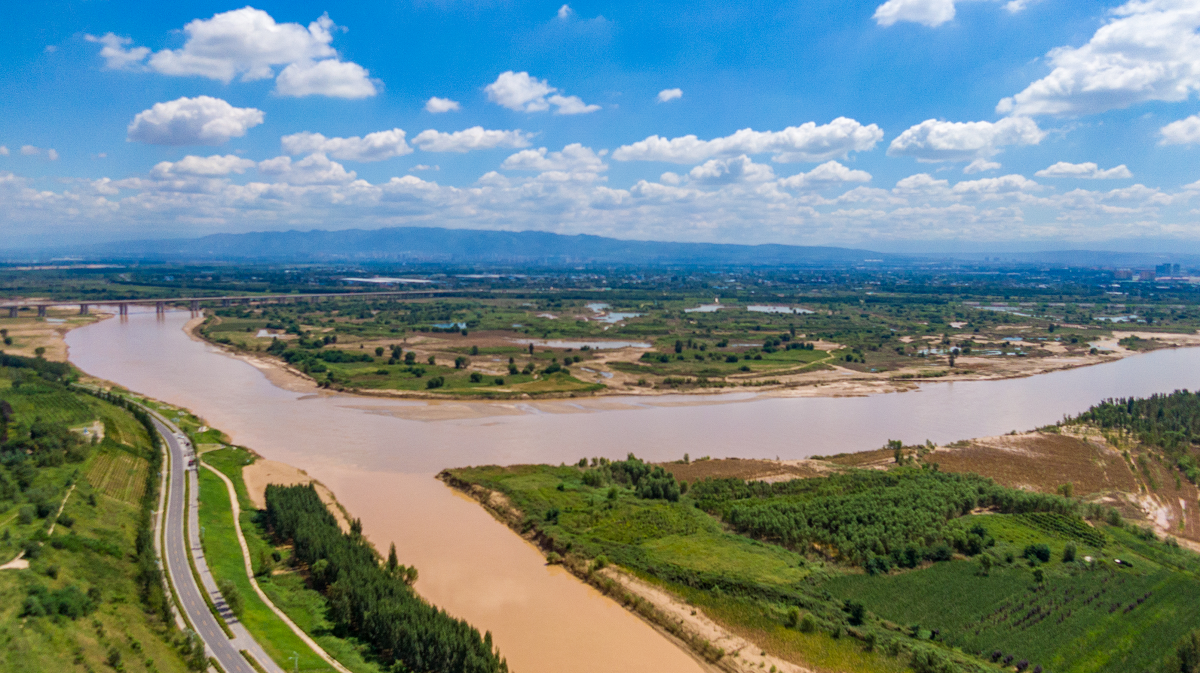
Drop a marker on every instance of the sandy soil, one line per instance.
(748, 469)
(29, 333)
(262, 472)
(740, 654)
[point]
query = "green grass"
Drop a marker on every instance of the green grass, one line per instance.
(224, 556)
(287, 590)
(94, 552)
(976, 612)
(748, 585)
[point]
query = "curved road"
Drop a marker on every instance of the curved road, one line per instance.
(175, 557)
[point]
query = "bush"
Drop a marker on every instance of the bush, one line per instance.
(808, 624)
(792, 620)
(1037, 552)
(25, 515)
(435, 382)
(1069, 552)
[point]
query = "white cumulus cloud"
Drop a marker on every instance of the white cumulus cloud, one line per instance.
(934, 140)
(30, 150)
(574, 158)
(3, 151)
(330, 77)
(474, 138)
(565, 12)
(828, 174)
(315, 169)
(114, 52)
(202, 120)
(372, 147)
(727, 171)
(51, 154)
(926, 12)
(437, 105)
(1087, 171)
(209, 167)
(248, 43)
(807, 142)
(669, 94)
(980, 166)
(1149, 51)
(1183, 132)
(518, 91)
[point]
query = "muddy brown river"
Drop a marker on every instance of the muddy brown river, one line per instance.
(379, 457)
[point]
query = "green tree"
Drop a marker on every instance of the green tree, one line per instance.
(392, 561)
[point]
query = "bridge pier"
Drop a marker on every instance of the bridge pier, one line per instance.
(41, 311)
(83, 309)
(12, 311)
(160, 307)
(224, 302)
(123, 309)
(195, 306)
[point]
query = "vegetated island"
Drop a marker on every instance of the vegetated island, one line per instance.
(499, 348)
(1069, 553)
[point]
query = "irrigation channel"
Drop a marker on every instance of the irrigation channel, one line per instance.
(379, 457)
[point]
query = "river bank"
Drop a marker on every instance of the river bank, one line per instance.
(830, 379)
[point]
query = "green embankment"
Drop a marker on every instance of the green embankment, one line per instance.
(861, 572)
(286, 589)
(84, 603)
(224, 556)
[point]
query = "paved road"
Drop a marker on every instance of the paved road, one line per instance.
(175, 554)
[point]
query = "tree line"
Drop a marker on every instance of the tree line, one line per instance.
(370, 600)
(1169, 422)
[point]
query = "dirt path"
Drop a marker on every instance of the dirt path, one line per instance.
(233, 499)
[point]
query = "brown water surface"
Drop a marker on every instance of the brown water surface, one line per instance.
(379, 457)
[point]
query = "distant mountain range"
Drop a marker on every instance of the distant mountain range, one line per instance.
(468, 246)
(430, 245)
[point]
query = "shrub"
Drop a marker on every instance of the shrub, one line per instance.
(1069, 552)
(792, 620)
(1037, 552)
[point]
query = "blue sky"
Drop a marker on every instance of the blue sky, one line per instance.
(897, 125)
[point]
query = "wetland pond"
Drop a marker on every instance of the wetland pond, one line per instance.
(379, 457)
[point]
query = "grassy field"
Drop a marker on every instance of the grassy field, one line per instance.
(1078, 610)
(747, 341)
(287, 590)
(224, 556)
(92, 547)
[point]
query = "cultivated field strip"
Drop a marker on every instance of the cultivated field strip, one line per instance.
(119, 475)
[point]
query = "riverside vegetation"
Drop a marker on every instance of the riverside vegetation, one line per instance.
(78, 483)
(699, 330)
(372, 600)
(876, 570)
(417, 637)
